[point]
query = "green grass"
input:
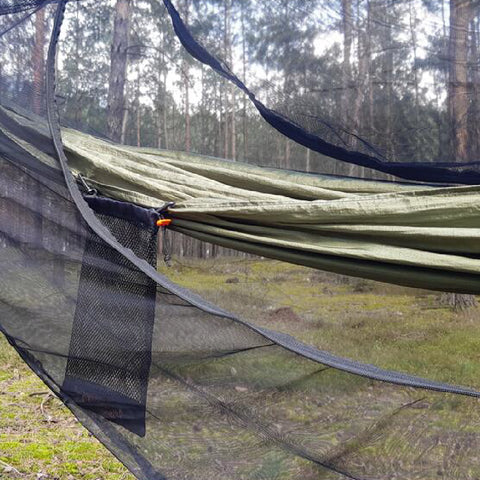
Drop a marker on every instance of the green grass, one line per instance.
(39, 438)
(392, 327)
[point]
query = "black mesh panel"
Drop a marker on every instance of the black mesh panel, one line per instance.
(15, 6)
(110, 350)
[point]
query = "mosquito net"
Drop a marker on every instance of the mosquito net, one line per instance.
(174, 386)
(371, 107)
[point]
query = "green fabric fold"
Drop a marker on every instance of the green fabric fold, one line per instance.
(407, 234)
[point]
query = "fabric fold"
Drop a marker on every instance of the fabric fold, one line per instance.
(408, 234)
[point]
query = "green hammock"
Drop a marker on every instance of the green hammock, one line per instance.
(407, 234)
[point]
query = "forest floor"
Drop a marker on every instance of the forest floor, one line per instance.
(403, 329)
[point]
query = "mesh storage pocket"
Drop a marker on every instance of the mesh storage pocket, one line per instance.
(110, 349)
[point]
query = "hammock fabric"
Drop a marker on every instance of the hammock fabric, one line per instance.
(413, 235)
(177, 388)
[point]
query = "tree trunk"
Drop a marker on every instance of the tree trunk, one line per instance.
(371, 116)
(165, 111)
(458, 103)
(231, 102)
(158, 104)
(125, 114)
(458, 302)
(389, 75)
(139, 125)
(188, 135)
(474, 116)
(245, 99)
(233, 129)
(203, 115)
(123, 136)
(138, 108)
(360, 86)
(118, 70)
(457, 91)
(38, 61)
(413, 35)
(347, 22)
(287, 153)
(226, 90)
(218, 125)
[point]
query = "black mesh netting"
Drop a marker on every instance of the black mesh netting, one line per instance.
(173, 386)
(114, 311)
(223, 400)
(388, 85)
(16, 6)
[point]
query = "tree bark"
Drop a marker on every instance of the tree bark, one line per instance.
(118, 70)
(233, 128)
(245, 99)
(165, 111)
(413, 35)
(38, 61)
(229, 53)
(138, 108)
(188, 135)
(347, 22)
(125, 116)
(226, 53)
(458, 302)
(389, 76)
(458, 91)
(361, 85)
(474, 117)
(159, 102)
(460, 12)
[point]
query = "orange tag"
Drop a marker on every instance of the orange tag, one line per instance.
(164, 222)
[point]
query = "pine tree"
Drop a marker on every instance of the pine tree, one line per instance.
(460, 14)
(118, 70)
(457, 87)
(38, 62)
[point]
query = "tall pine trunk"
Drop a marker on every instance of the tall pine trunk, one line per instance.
(361, 83)
(229, 56)
(460, 12)
(414, 42)
(474, 117)
(347, 23)
(186, 80)
(138, 108)
(245, 99)
(38, 62)
(118, 70)
(457, 83)
(389, 77)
